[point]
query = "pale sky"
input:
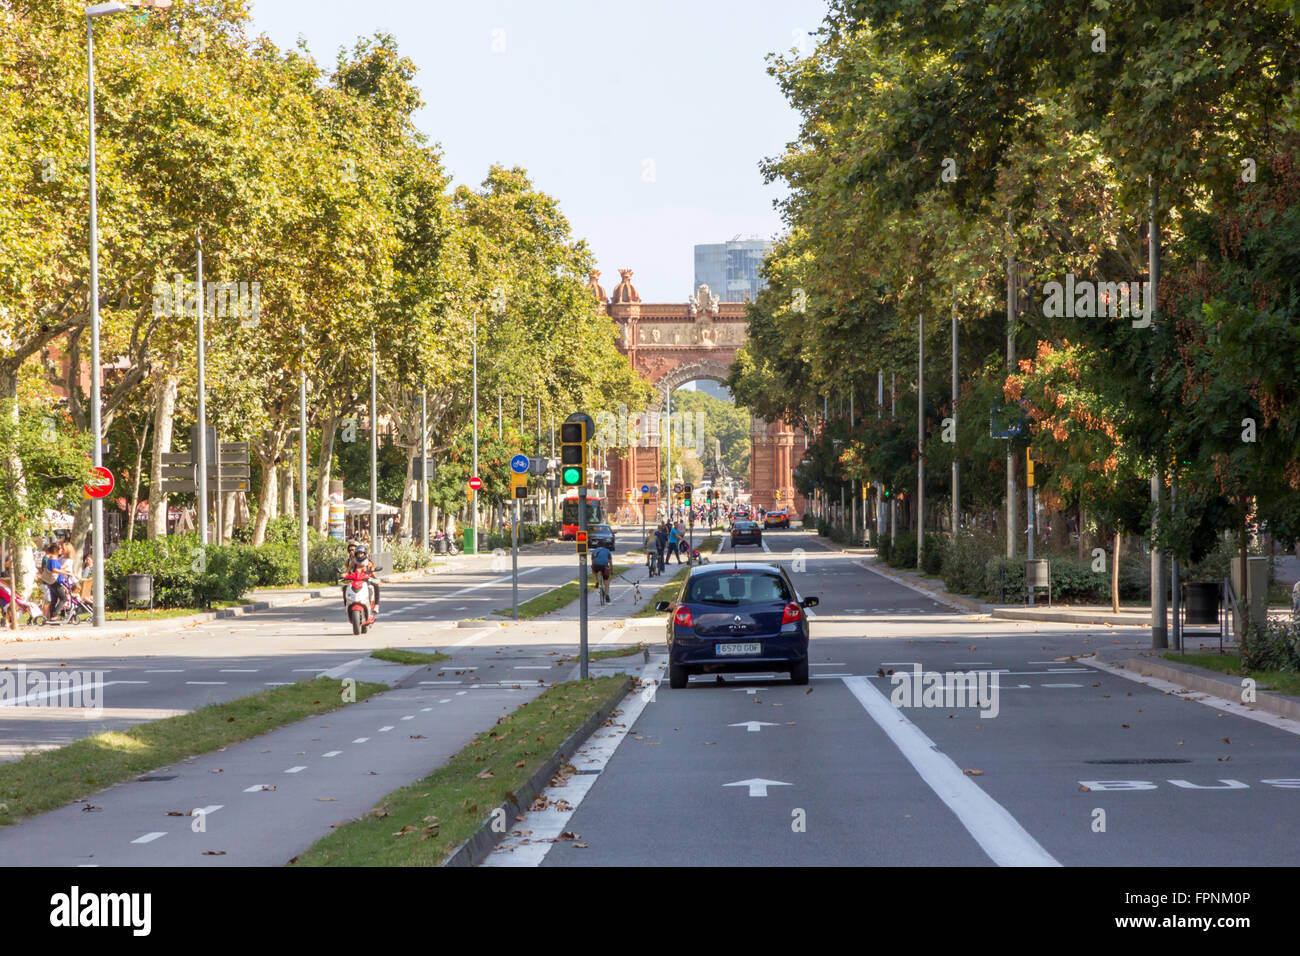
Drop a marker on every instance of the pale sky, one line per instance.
(647, 121)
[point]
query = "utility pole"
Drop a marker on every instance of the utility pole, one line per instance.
(1011, 368)
(424, 467)
(202, 394)
(920, 435)
(304, 569)
(1159, 625)
(375, 546)
(956, 477)
(474, 493)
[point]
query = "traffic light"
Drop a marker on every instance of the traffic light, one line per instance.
(573, 454)
(686, 495)
(580, 539)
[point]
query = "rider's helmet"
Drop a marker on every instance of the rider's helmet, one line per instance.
(360, 553)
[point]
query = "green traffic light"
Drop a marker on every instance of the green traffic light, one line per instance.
(571, 476)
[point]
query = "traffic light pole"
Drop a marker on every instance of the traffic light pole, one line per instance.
(514, 564)
(582, 584)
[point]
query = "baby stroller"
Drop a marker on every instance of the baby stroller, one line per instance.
(21, 607)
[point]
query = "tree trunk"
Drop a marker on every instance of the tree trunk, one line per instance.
(228, 500)
(267, 501)
(408, 495)
(1114, 574)
(164, 419)
(288, 507)
(135, 483)
(1083, 534)
(81, 527)
(24, 566)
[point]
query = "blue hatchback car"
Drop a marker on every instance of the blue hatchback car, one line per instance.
(743, 618)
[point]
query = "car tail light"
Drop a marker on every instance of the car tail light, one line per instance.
(683, 617)
(792, 613)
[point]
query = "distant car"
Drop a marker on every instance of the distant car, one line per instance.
(741, 619)
(777, 519)
(600, 536)
(746, 532)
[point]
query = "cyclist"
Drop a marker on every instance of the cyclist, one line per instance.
(601, 560)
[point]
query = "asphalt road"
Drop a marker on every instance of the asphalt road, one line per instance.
(1077, 766)
(172, 670)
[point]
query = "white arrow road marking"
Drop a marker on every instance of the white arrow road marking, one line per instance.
(996, 831)
(753, 726)
(758, 786)
(149, 837)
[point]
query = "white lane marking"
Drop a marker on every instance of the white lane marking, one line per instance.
(757, 785)
(763, 542)
(438, 683)
(461, 693)
(361, 740)
(1209, 700)
(824, 676)
(830, 664)
(409, 717)
(753, 726)
(1068, 670)
(594, 755)
(207, 683)
(307, 670)
(612, 636)
(747, 690)
(1062, 685)
(296, 769)
(425, 710)
(278, 683)
(181, 671)
(997, 832)
(898, 663)
(255, 788)
(336, 672)
(237, 670)
(445, 700)
(149, 837)
(532, 667)
(385, 729)
(332, 753)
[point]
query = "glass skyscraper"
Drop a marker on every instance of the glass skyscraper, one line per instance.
(730, 269)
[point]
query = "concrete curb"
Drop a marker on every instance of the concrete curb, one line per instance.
(475, 849)
(1205, 682)
(1067, 617)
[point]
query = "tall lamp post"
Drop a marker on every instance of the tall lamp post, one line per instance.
(96, 420)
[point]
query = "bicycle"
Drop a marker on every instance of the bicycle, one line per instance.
(602, 584)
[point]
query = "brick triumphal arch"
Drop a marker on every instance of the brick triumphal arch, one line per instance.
(671, 344)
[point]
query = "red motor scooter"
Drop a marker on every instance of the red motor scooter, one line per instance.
(360, 598)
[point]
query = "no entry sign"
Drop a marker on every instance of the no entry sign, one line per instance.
(101, 485)
(476, 483)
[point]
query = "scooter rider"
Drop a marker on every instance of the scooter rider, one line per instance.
(359, 560)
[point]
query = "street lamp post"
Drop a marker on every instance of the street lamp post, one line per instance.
(304, 569)
(96, 419)
(374, 448)
(473, 493)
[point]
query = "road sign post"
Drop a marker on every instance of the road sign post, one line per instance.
(582, 583)
(519, 466)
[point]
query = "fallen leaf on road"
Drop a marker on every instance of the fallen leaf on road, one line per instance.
(178, 813)
(214, 852)
(1125, 726)
(1085, 789)
(1226, 740)
(1229, 757)
(90, 808)
(485, 775)
(417, 736)
(973, 773)
(1098, 684)
(327, 799)
(519, 764)
(809, 690)
(581, 845)
(216, 771)
(790, 723)
(880, 672)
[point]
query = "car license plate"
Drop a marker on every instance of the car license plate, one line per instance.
(729, 650)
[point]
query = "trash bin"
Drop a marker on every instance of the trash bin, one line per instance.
(467, 541)
(1038, 574)
(1202, 603)
(440, 546)
(139, 590)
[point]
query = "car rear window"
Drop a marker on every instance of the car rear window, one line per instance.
(737, 587)
(746, 525)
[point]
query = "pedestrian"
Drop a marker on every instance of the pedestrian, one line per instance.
(673, 543)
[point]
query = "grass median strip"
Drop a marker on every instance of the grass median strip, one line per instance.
(1279, 681)
(555, 598)
(408, 657)
(609, 653)
(419, 825)
(45, 781)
